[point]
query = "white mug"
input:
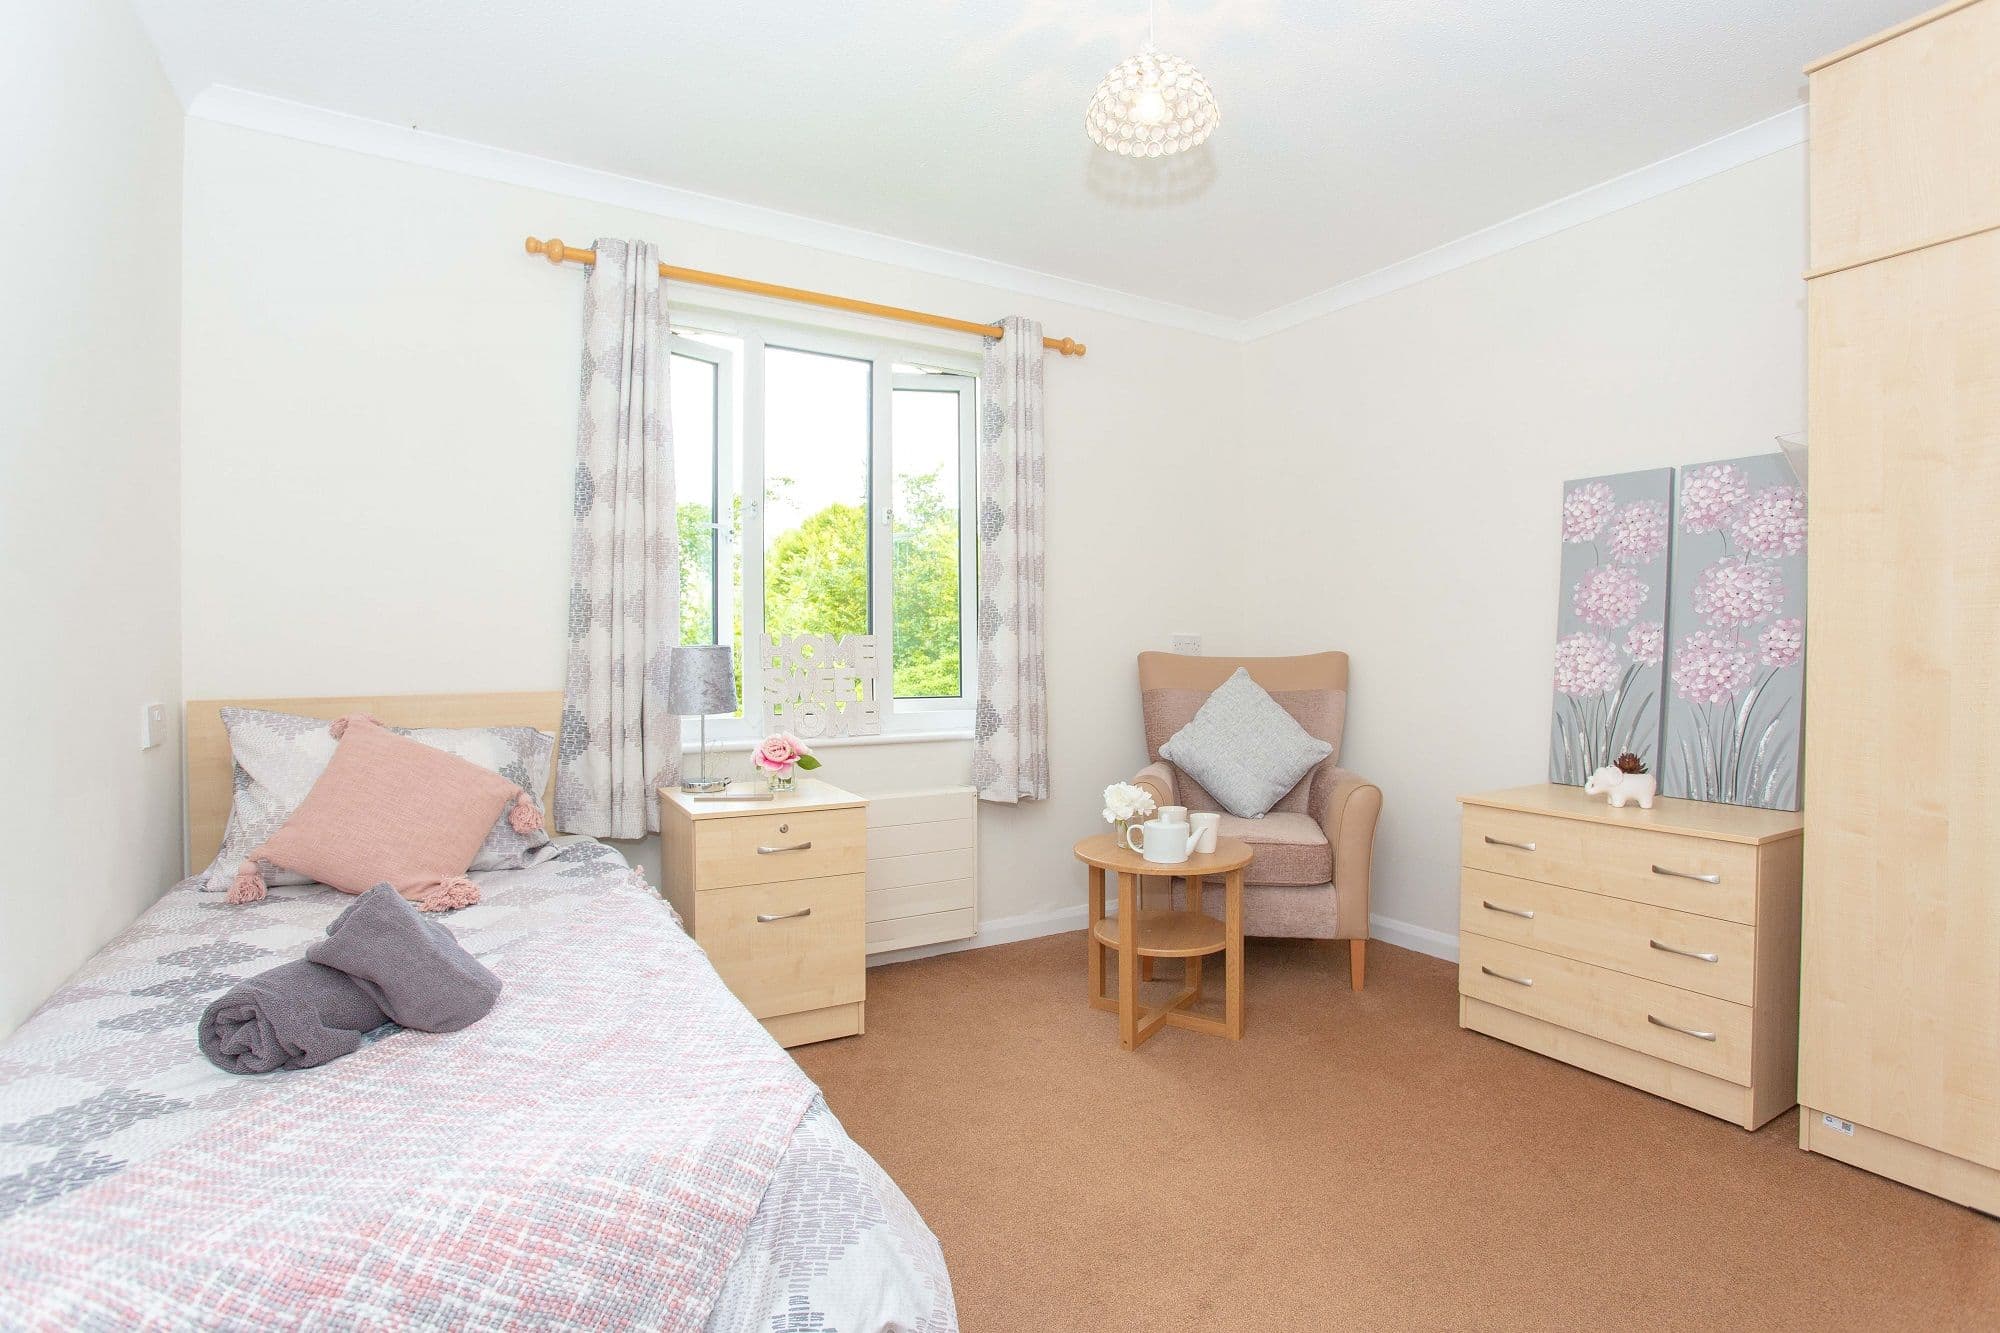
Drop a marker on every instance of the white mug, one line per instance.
(1159, 842)
(1202, 831)
(1173, 814)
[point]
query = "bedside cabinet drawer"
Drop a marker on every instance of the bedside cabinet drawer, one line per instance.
(1697, 953)
(1686, 874)
(1699, 1032)
(763, 849)
(784, 948)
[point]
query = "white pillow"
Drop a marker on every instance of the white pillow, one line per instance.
(278, 757)
(1244, 749)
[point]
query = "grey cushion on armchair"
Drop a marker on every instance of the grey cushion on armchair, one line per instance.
(1244, 749)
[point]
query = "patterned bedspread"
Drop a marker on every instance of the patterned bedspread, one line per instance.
(617, 1145)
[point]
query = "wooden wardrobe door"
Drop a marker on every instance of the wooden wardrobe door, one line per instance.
(1901, 936)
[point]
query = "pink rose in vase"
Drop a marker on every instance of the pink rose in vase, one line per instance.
(781, 753)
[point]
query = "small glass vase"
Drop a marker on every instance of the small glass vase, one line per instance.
(782, 781)
(1119, 827)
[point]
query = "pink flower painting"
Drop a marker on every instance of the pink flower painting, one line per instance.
(1772, 523)
(1646, 641)
(1586, 664)
(1585, 509)
(1733, 721)
(1711, 495)
(1608, 597)
(1608, 674)
(1782, 642)
(1733, 592)
(1711, 666)
(1639, 533)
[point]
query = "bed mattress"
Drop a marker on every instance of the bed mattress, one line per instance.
(618, 1144)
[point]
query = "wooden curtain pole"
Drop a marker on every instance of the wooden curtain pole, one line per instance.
(558, 253)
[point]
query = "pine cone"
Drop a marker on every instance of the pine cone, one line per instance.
(1631, 763)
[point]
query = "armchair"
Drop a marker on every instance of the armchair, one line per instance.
(1308, 877)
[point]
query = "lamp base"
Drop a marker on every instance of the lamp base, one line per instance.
(705, 784)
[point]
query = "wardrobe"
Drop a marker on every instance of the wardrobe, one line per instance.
(1899, 1068)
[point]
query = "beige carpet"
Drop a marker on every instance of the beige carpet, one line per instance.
(1357, 1162)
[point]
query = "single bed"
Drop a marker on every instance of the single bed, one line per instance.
(618, 1144)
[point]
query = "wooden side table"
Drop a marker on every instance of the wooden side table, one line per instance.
(1144, 932)
(775, 891)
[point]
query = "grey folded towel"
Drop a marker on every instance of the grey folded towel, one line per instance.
(292, 1017)
(413, 968)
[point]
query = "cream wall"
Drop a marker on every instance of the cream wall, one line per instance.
(89, 522)
(1413, 449)
(380, 422)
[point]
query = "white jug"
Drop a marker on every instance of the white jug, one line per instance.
(1159, 842)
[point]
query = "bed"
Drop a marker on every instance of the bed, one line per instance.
(618, 1144)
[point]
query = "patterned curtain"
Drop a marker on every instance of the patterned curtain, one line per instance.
(619, 742)
(1010, 756)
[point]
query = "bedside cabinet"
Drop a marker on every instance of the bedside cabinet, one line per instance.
(1656, 947)
(776, 893)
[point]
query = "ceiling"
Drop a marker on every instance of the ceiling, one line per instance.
(1354, 133)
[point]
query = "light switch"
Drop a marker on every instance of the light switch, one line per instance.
(152, 726)
(1187, 643)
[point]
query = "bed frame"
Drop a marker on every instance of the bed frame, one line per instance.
(209, 767)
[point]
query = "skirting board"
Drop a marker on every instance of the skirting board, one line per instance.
(1033, 925)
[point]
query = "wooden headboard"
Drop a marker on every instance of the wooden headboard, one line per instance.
(209, 785)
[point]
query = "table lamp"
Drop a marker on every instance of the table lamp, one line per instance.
(702, 680)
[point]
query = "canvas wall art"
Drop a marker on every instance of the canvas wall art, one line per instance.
(1611, 622)
(1737, 619)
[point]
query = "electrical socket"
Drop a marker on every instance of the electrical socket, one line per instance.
(152, 726)
(1189, 644)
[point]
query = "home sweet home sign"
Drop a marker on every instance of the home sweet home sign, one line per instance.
(821, 685)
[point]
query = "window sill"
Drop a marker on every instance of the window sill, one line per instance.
(743, 745)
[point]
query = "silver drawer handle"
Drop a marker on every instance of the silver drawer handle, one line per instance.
(1683, 874)
(1685, 953)
(1524, 913)
(795, 847)
(1518, 981)
(1674, 1027)
(766, 918)
(1492, 841)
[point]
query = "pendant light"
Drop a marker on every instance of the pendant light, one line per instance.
(1152, 105)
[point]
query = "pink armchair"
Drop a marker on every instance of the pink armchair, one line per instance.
(1308, 878)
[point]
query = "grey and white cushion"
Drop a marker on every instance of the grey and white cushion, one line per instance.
(1245, 749)
(280, 755)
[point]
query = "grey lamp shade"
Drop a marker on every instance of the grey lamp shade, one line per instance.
(701, 681)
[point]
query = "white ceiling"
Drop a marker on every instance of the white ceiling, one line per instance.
(1353, 134)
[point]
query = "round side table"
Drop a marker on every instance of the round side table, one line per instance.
(1145, 932)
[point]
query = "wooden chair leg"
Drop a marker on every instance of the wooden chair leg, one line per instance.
(1357, 958)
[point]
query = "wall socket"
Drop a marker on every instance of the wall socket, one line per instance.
(152, 726)
(1189, 644)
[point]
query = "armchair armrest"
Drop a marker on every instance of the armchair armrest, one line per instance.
(1348, 809)
(1158, 779)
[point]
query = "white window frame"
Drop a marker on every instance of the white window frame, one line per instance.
(741, 434)
(724, 361)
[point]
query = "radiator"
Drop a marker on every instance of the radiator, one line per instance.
(923, 868)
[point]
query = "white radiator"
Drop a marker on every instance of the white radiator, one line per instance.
(923, 868)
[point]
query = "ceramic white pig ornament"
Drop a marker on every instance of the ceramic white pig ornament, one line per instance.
(1621, 787)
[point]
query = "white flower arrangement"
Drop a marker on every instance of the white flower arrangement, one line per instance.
(1124, 802)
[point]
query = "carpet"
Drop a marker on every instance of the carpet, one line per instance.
(1356, 1161)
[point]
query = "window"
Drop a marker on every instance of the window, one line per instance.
(825, 486)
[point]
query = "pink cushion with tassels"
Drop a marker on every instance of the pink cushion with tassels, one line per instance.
(390, 810)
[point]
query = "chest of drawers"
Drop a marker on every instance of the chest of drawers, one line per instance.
(1656, 947)
(775, 892)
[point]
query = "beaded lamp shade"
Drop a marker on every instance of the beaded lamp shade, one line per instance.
(1151, 106)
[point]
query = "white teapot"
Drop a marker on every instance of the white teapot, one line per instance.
(1159, 841)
